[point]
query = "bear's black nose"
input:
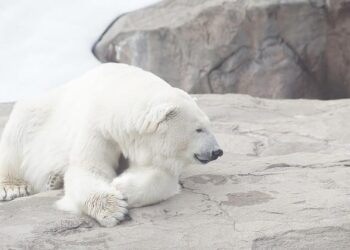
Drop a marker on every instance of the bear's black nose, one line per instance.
(216, 154)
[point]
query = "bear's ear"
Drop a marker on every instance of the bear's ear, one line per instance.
(156, 116)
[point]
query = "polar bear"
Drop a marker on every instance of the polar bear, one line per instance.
(81, 129)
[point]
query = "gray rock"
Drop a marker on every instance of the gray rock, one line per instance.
(265, 48)
(283, 183)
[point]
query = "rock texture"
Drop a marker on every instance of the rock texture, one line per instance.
(283, 183)
(265, 48)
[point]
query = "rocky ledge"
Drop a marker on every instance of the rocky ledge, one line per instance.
(283, 183)
(265, 48)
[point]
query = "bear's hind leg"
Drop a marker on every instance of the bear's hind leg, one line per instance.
(12, 184)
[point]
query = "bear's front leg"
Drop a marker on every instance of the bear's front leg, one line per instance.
(90, 193)
(146, 185)
(87, 181)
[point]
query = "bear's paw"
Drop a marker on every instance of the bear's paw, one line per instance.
(109, 209)
(14, 188)
(55, 181)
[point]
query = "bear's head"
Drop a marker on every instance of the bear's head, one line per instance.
(179, 129)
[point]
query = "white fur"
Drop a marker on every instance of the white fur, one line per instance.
(81, 128)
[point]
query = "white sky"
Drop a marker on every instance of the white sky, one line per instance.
(44, 43)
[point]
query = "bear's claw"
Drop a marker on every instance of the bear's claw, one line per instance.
(13, 189)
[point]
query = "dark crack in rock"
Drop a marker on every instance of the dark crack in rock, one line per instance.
(246, 199)
(208, 178)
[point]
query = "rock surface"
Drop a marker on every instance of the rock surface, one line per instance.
(283, 183)
(265, 48)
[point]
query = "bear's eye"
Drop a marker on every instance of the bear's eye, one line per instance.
(199, 130)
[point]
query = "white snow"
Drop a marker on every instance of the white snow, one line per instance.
(44, 43)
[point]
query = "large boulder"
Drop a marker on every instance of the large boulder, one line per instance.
(283, 183)
(265, 48)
